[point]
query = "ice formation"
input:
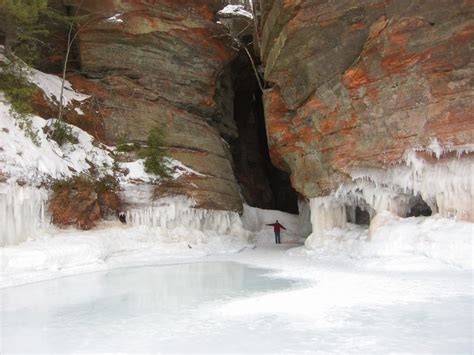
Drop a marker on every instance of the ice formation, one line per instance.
(444, 181)
(171, 213)
(23, 213)
(25, 165)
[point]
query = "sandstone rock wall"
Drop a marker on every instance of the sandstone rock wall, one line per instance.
(161, 63)
(357, 84)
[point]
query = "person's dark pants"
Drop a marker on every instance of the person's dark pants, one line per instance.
(277, 237)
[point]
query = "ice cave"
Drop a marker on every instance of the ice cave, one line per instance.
(153, 154)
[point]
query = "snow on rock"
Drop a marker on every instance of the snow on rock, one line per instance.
(24, 163)
(21, 159)
(115, 18)
(179, 169)
(51, 87)
(234, 10)
(50, 84)
(135, 171)
(79, 111)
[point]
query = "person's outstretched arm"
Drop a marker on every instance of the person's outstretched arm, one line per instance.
(282, 227)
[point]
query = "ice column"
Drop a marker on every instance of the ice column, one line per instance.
(174, 212)
(23, 212)
(326, 213)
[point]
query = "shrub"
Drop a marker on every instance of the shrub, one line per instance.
(82, 201)
(155, 154)
(61, 133)
(18, 92)
(128, 147)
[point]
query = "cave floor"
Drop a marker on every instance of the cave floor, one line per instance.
(339, 304)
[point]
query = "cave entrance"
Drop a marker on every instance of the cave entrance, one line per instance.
(418, 207)
(358, 215)
(262, 184)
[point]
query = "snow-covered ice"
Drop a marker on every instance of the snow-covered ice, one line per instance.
(407, 288)
(294, 302)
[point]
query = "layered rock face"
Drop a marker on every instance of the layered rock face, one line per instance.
(368, 94)
(161, 64)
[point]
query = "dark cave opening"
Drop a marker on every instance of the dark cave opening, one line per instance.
(418, 207)
(262, 184)
(358, 215)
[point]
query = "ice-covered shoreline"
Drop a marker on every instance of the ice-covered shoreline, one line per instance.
(398, 245)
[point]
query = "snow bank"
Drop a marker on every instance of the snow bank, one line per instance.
(23, 209)
(435, 238)
(58, 250)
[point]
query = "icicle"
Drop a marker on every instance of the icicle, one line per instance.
(175, 212)
(326, 213)
(22, 213)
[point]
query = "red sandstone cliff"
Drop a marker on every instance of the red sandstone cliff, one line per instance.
(357, 84)
(161, 63)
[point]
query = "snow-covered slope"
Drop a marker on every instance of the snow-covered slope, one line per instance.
(22, 160)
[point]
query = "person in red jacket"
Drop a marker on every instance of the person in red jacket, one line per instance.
(276, 229)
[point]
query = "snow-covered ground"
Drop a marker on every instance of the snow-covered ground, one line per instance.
(406, 289)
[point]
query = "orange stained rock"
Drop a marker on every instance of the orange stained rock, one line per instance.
(329, 123)
(81, 84)
(357, 26)
(329, 22)
(356, 77)
(313, 105)
(372, 93)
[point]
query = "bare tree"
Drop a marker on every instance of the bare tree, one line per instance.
(238, 25)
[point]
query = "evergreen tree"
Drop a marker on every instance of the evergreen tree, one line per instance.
(20, 27)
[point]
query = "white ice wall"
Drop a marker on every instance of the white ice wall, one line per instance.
(445, 182)
(23, 212)
(176, 212)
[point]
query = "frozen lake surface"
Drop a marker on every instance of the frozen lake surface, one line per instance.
(224, 306)
(159, 308)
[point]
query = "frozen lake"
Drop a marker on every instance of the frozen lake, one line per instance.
(224, 306)
(159, 308)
